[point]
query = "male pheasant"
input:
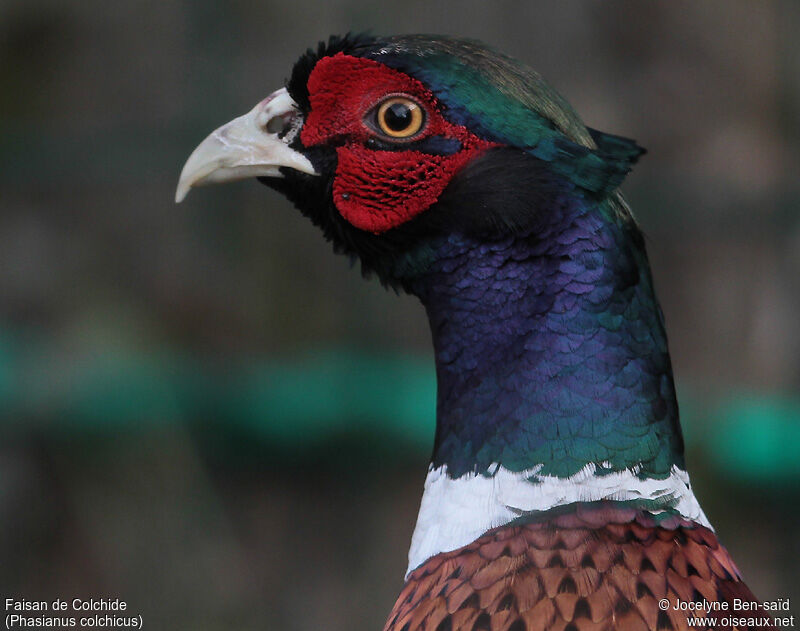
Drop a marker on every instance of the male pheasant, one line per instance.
(557, 497)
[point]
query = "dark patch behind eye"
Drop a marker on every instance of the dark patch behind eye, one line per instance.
(433, 145)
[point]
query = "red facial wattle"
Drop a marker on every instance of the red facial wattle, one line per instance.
(375, 189)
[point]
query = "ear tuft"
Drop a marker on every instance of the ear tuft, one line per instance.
(599, 171)
(617, 147)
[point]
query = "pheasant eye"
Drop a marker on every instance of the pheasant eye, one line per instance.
(399, 117)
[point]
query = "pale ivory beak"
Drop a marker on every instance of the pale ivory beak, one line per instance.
(245, 148)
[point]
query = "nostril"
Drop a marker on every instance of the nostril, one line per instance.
(276, 125)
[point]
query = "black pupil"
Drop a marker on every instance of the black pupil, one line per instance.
(397, 116)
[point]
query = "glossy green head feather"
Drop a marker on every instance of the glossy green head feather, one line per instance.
(504, 100)
(500, 94)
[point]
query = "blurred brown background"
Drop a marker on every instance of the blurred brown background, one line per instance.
(206, 414)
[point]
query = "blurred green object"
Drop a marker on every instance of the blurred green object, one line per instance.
(299, 403)
(335, 391)
(758, 440)
(295, 403)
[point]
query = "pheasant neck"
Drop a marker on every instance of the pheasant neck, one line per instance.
(554, 379)
(551, 352)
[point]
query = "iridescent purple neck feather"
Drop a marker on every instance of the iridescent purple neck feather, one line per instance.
(550, 348)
